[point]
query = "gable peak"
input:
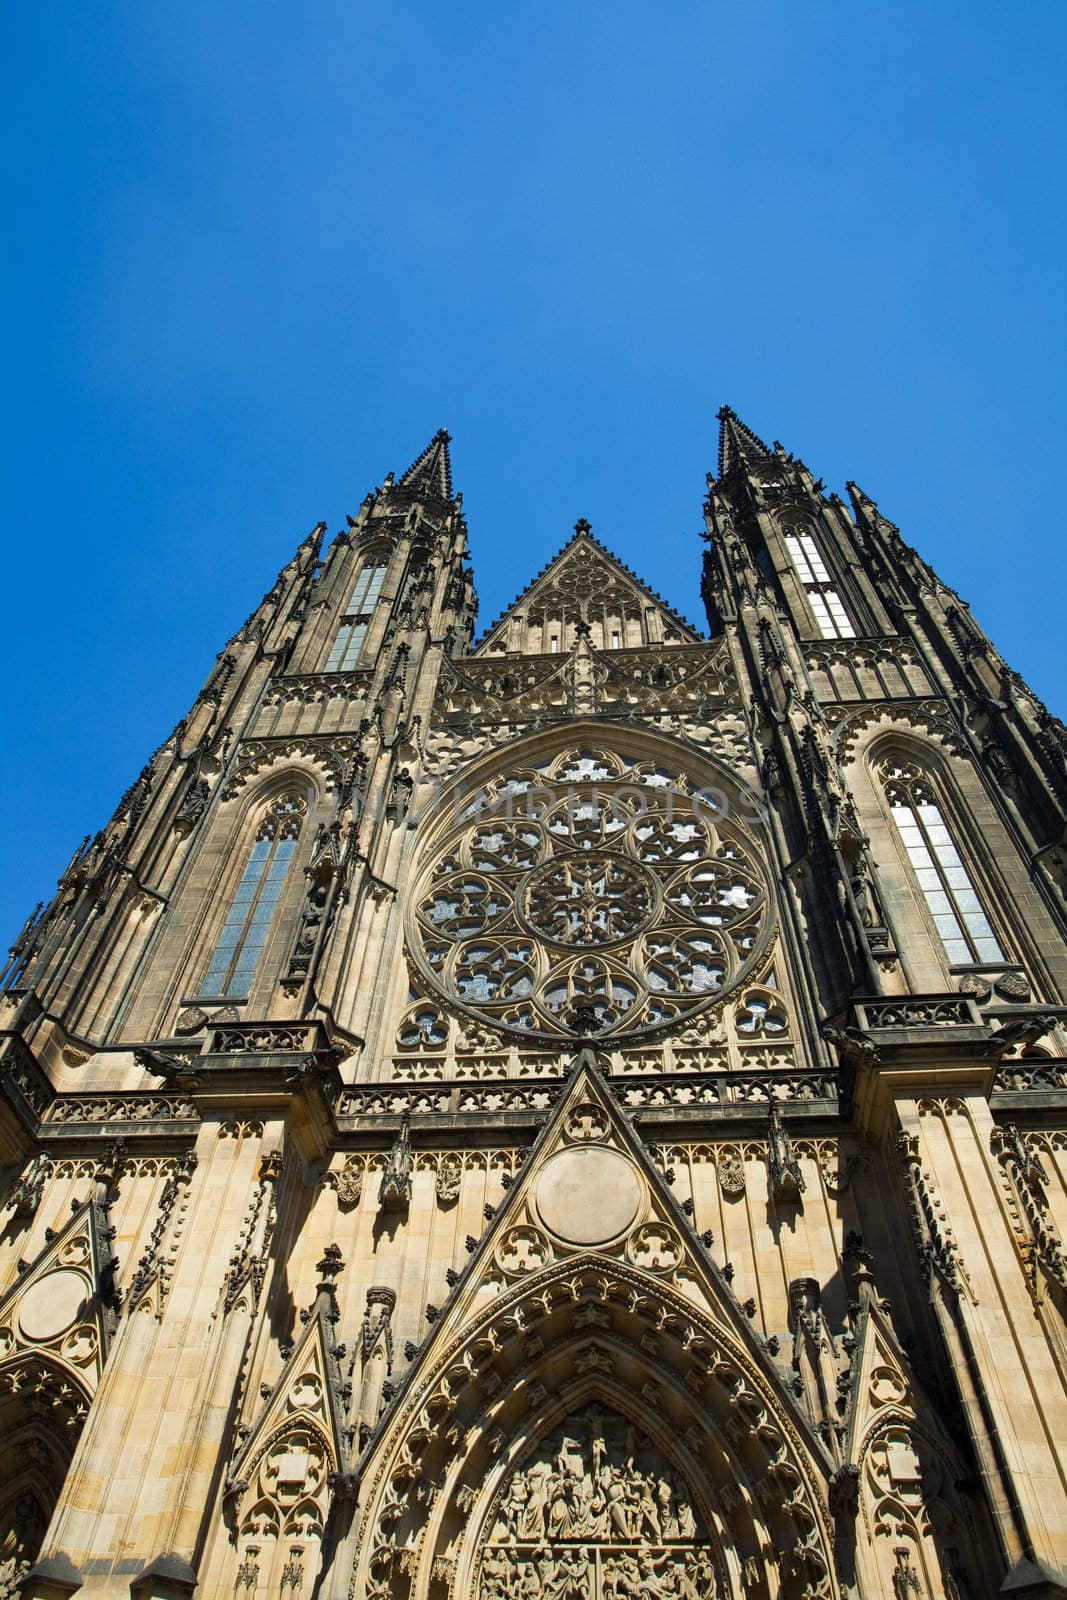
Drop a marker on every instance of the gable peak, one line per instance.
(584, 546)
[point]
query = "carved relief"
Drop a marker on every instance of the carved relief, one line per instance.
(596, 1511)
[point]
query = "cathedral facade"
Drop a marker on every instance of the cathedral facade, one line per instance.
(573, 1114)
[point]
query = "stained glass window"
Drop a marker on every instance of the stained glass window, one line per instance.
(244, 933)
(950, 895)
(348, 645)
(825, 602)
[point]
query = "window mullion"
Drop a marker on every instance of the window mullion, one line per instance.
(942, 878)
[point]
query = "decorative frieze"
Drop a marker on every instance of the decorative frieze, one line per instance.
(83, 1109)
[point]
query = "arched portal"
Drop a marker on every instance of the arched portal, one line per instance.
(42, 1408)
(713, 1478)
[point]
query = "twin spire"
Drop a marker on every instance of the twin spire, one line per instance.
(431, 472)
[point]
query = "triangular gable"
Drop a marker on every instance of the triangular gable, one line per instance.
(62, 1312)
(587, 568)
(884, 1386)
(588, 1297)
(306, 1399)
(901, 1467)
(590, 1187)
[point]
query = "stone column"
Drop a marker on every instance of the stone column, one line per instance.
(924, 1072)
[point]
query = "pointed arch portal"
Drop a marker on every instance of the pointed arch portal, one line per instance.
(698, 1473)
(592, 1417)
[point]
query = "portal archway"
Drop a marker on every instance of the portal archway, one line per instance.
(582, 1337)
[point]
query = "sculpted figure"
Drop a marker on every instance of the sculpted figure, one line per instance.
(494, 1577)
(648, 1512)
(575, 1570)
(534, 1522)
(515, 1506)
(546, 1572)
(528, 1584)
(615, 1497)
(650, 1585)
(558, 1520)
(687, 1523)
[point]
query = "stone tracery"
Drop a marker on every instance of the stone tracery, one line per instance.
(590, 893)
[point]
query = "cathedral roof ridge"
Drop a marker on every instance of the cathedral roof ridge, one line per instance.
(583, 530)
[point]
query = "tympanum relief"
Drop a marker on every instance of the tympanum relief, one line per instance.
(596, 1512)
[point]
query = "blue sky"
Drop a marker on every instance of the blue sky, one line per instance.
(257, 254)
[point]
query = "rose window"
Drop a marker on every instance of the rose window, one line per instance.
(592, 894)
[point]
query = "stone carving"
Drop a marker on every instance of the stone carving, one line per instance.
(347, 1183)
(910, 1013)
(787, 1180)
(587, 894)
(596, 1512)
(256, 755)
(264, 1038)
(586, 1123)
(655, 1247)
(130, 1108)
(938, 1249)
(395, 1190)
(731, 1177)
(446, 1186)
(523, 1250)
(591, 900)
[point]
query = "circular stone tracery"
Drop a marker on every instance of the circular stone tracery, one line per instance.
(590, 894)
(590, 899)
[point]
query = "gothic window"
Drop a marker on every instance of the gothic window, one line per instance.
(825, 602)
(950, 895)
(593, 893)
(244, 933)
(345, 652)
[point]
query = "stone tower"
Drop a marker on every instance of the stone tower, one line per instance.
(574, 1116)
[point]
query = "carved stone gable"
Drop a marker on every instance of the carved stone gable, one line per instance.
(59, 1316)
(586, 588)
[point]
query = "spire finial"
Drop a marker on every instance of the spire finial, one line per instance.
(583, 526)
(738, 445)
(431, 472)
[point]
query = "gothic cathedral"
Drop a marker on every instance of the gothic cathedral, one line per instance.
(573, 1114)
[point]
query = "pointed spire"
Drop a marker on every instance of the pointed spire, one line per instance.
(738, 445)
(431, 473)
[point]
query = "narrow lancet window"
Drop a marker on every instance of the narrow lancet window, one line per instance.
(348, 645)
(950, 895)
(244, 933)
(825, 602)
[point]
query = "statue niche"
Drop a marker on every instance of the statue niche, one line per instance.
(597, 1512)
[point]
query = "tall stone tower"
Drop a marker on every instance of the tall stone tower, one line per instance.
(580, 1115)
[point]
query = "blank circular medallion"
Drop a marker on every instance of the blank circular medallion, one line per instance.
(588, 1195)
(51, 1305)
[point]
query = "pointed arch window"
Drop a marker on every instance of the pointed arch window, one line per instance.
(348, 645)
(244, 933)
(825, 602)
(946, 884)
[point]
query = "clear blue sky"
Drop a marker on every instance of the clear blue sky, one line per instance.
(257, 254)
